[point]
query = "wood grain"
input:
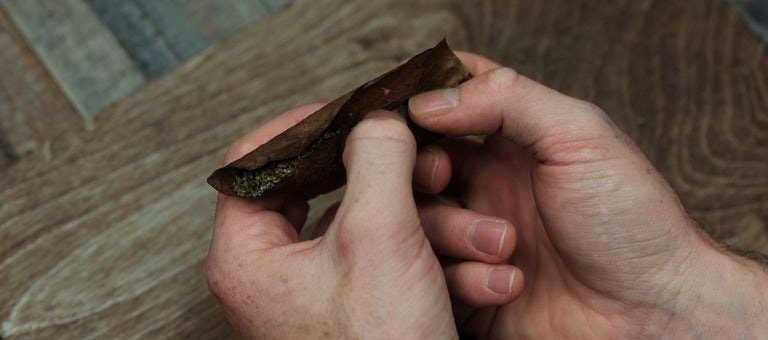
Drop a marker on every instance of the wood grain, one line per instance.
(139, 36)
(160, 35)
(34, 114)
(81, 54)
(755, 13)
(159, 144)
(174, 27)
(107, 240)
(217, 19)
(274, 5)
(688, 82)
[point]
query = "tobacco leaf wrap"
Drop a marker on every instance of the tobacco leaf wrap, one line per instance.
(309, 154)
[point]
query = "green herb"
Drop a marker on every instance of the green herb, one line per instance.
(253, 184)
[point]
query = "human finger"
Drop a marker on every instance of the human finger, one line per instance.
(243, 226)
(432, 171)
(463, 154)
(465, 234)
(479, 284)
(378, 204)
(520, 109)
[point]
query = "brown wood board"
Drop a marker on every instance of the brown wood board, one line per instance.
(35, 117)
(108, 239)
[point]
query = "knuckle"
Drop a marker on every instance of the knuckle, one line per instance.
(382, 130)
(590, 108)
(502, 79)
(215, 277)
(595, 121)
(226, 281)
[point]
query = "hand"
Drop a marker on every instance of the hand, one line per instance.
(372, 275)
(605, 245)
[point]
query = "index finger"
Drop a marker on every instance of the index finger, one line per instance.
(476, 63)
(499, 100)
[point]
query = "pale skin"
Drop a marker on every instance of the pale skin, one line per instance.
(555, 227)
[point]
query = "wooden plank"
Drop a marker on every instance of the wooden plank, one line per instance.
(755, 13)
(159, 35)
(131, 204)
(217, 19)
(34, 114)
(174, 27)
(16, 137)
(274, 5)
(158, 144)
(690, 89)
(138, 35)
(81, 54)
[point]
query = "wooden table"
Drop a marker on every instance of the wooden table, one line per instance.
(105, 217)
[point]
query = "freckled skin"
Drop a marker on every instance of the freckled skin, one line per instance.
(605, 245)
(372, 275)
(620, 263)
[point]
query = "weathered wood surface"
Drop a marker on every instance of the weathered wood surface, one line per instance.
(143, 40)
(107, 239)
(99, 51)
(35, 117)
(78, 50)
(157, 36)
(217, 20)
(687, 81)
(755, 13)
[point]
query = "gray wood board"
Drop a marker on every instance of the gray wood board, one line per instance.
(107, 238)
(83, 56)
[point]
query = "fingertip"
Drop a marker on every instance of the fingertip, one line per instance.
(505, 281)
(381, 138)
(428, 106)
(465, 234)
(508, 242)
(479, 284)
(432, 171)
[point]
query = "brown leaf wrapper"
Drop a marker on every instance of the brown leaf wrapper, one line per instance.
(307, 158)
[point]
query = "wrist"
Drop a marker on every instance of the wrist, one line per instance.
(721, 296)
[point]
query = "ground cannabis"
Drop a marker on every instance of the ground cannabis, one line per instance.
(255, 183)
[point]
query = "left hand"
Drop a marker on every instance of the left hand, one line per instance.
(372, 274)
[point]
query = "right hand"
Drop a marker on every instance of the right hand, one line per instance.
(605, 245)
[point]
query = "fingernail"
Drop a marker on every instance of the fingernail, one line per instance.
(487, 236)
(426, 159)
(434, 103)
(500, 280)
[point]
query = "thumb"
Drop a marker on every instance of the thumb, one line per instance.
(520, 109)
(378, 206)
